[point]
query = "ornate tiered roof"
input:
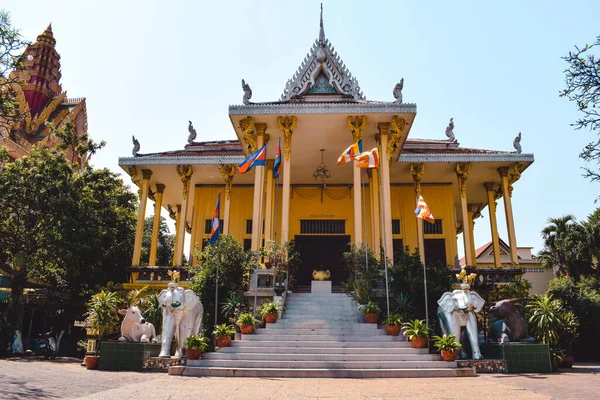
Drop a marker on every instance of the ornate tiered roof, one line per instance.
(323, 74)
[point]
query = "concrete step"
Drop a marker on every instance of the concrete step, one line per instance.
(321, 373)
(286, 324)
(399, 349)
(220, 355)
(326, 338)
(321, 364)
(349, 331)
(312, 320)
(317, 343)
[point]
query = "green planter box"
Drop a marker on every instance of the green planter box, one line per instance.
(126, 356)
(520, 357)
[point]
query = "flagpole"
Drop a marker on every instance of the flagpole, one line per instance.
(382, 208)
(364, 220)
(275, 227)
(424, 275)
(260, 224)
(218, 262)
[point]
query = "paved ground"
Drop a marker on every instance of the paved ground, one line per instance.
(65, 378)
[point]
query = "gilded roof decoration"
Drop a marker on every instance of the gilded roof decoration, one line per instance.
(322, 60)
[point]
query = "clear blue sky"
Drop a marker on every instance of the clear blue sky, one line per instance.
(146, 67)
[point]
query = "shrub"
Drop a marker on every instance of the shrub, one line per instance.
(393, 320)
(369, 308)
(197, 342)
(446, 343)
(415, 329)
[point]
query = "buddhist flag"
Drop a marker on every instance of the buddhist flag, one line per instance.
(255, 159)
(368, 159)
(214, 228)
(423, 211)
(277, 163)
(349, 154)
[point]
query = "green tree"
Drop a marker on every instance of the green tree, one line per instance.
(11, 45)
(235, 266)
(565, 247)
(70, 229)
(582, 78)
(78, 147)
(166, 243)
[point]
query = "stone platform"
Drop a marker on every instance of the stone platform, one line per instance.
(161, 364)
(126, 356)
(320, 287)
(484, 366)
(520, 357)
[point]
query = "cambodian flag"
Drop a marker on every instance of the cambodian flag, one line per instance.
(255, 159)
(277, 163)
(351, 152)
(214, 230)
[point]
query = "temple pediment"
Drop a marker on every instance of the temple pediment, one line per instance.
(322, 76)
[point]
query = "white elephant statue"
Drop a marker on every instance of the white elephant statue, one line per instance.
(182, 317)
(457, 309)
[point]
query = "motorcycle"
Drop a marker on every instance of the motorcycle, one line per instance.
(46, 345)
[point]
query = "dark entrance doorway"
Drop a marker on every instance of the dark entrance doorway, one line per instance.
(321, 251)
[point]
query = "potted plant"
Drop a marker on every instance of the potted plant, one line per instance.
(101, 317)
(371, 312)
(417, 332)
(393, 324)
(223, 334)
(448, 346)
(195, 345)
(246, 323)
(269, 311)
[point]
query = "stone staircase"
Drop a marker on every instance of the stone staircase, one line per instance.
(320, 336)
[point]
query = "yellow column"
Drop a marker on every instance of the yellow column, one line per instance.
(160, 188)
(491, 192)
(287, 125)
(510, 224)
(386, 207)
(177, 220)
(471, 209)
(462, 172)
(269, 206)
(185, 173)
(139, 229)
(356, 125)
(417, 171)
(257, 204)
(227, 172)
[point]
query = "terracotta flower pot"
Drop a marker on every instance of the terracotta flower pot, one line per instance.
(568, 362)
(393, 330)
(270, 318)
(91, 362)
(193, 354)
(448, 355)
(223, 341)
(247, 329)
(371, 318)
(419, 343)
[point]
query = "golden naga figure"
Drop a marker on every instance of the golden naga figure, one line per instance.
(175, 275)
(321, 275)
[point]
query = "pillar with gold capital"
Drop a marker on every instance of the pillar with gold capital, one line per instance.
(417, 171)
(259, 174)
(510, 223)
(491, 197)
(185, 172)
(356, 125)
(386, 206)
(139, 229)
(462, 172)
(227, 171)
(269, 201)
(287, 125)
(375, 211)
(176, 249)
(160, 188)
(471, 215)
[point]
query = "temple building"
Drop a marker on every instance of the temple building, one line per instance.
(41, 100)
(321, 206)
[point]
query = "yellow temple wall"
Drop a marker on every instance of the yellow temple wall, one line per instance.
(440, 200)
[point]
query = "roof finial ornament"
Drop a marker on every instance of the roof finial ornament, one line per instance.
(192, 132)
(321, 30)
(517, 143)
(247, 92)
(136, 146)
(450, 131)
(398, 91)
